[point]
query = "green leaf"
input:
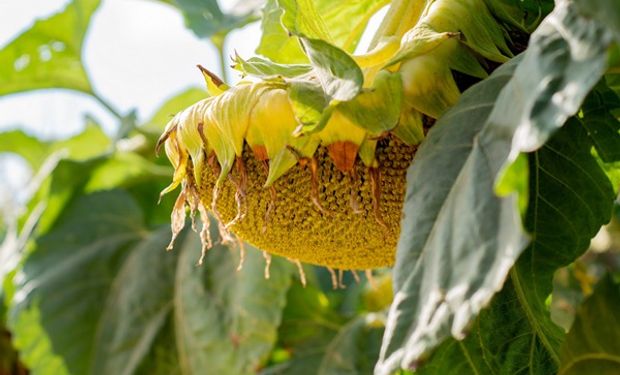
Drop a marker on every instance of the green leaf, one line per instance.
(453, 227)
(227, 321)
(593, 344)
(604, 11)
(566, 57)
(326, 16)
(603, 127)
(356, 347)
(113, 289)
(49, 54)
(276, 44)
(135, 309)
(265, 69)
(337, 72)
(55, 312)
(377, 109)
(570, 199)
(206, 19)
(525, 15)
(301, 17)
(91, 142)
(501, 341)
(429, 280)
(310, 106)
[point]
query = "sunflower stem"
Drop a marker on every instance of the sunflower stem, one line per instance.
(220, 44)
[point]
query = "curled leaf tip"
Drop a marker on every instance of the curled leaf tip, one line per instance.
(164, 137)
(206, 72)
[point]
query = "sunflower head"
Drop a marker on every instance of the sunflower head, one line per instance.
(327, 192)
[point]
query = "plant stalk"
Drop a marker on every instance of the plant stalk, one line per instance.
(107, 105)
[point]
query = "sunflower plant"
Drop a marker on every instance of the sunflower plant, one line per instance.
(389, 187)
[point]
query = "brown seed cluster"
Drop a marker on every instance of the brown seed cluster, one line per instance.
(329, 217)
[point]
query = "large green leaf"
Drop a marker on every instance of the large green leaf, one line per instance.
(501, 341)
(227, 321)
(207, 20)
(570, 199)
(49, 54)
(279, 46)
(593, 344)
(454, 225)
(91, 142)
(112, 289)
(602, 125)
(138, 301)
(55, 312)
(566, 57)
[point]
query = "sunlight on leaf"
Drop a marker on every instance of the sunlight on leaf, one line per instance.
(49, 54)
(280, 47)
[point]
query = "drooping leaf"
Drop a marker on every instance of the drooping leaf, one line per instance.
(49, 54)
(437, 235)
(603, 127)
(309, 103)
(592, 345)
(454, 226)
(279, 46)
(570, 199)
(337, 72)
(566, 57)
(378, 108)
